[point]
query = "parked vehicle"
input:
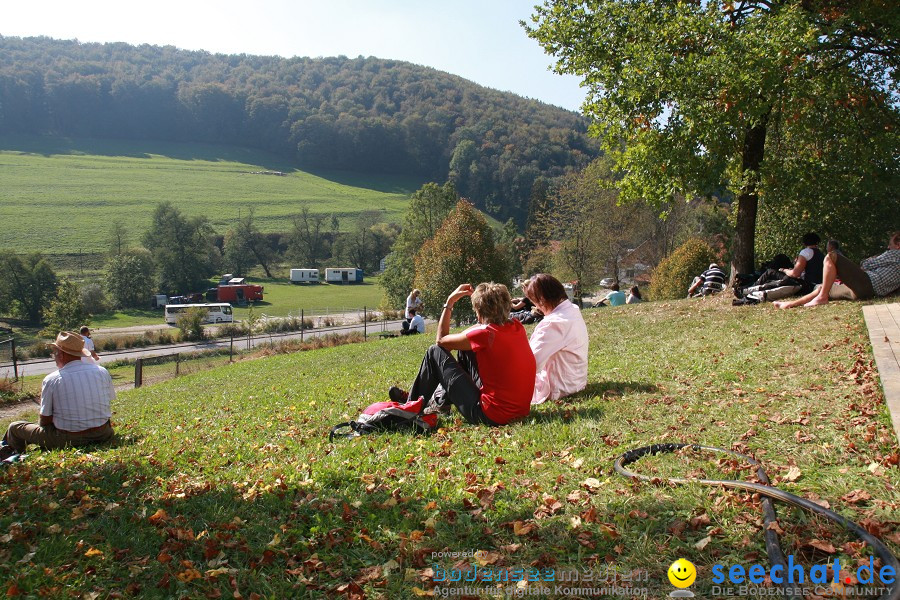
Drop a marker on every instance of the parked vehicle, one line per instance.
(159, 301)
(304, 276)
(240, 293)
(343, 275)
(607, 282)
(215, 313)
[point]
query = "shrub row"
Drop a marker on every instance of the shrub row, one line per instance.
(111, 343)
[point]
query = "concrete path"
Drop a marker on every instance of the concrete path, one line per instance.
(883, 322)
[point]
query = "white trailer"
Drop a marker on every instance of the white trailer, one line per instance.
(304, 276)
(343, 275)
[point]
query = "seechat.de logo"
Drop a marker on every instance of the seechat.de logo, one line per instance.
(682, 574)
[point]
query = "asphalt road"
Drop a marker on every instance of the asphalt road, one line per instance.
(44, 366)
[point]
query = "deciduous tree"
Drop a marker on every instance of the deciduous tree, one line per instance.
(308, 244)
(690, 96)
(182, 249)
(462, 251)
(129, 278)
(27, 285)
(427, 209)
(66, 311)
(246, 246)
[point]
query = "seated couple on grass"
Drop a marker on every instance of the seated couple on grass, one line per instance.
(493, 379)
(842, 279)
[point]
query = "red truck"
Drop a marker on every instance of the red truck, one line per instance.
(240, 293)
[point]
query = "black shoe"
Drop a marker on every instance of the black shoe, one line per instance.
(7, 452)
(398, 395)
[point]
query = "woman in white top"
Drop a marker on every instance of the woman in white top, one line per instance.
(634, 296)
(413, 302)
(559, 342)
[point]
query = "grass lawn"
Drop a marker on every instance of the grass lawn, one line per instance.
(71, 191)
(223, 483)
(281, 297)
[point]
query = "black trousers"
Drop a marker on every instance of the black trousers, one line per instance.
(459, 379)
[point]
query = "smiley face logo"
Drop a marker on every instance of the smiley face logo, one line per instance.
(682, 573)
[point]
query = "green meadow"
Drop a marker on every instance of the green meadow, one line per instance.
(224, 484)
(280, 298)
(61, 195)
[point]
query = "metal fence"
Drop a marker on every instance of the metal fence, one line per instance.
(8, 356)
(190, 358)
(165, 362)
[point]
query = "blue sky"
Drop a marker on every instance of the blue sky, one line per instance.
(480, 40)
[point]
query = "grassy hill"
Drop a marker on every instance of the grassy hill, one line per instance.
(62, 195)
(224, 482)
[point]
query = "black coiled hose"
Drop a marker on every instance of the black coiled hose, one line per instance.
(769, 493)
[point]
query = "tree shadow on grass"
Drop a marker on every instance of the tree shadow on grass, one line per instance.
(54, 145)
(607, 388)
(145, 149)
(145, 525)
(574, 406)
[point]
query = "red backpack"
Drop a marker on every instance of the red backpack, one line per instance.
(387, 416)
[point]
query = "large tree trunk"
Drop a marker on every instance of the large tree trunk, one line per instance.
(742, 260)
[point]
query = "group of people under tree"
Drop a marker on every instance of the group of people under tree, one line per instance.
(815, 276)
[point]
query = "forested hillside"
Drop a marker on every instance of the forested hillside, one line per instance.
(361, 114)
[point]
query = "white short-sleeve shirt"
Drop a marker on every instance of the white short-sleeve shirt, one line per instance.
(78, 396)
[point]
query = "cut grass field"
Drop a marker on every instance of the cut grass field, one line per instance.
(61, 196)
(224, 484)
(280, 299)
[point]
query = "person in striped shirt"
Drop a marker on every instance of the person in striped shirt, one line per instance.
(75, 403)
(711, 281)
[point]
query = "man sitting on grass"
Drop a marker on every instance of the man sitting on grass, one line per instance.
(416, 324)
(75, 403)
(492, 379)
(875, 276)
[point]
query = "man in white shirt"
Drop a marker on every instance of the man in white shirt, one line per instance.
(416, 324)
(75, 403)
(559, 342)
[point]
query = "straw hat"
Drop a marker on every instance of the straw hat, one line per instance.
(70, 343)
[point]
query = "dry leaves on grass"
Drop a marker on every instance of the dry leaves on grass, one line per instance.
(826, 547)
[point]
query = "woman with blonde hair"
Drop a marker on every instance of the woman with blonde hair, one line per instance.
(491, 381)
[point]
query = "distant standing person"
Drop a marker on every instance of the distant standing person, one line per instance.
(634, 296)
(414, 302)
(88, 342)
(559, 342)
(75, 403)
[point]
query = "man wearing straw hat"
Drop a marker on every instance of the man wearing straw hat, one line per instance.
(75, 403)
